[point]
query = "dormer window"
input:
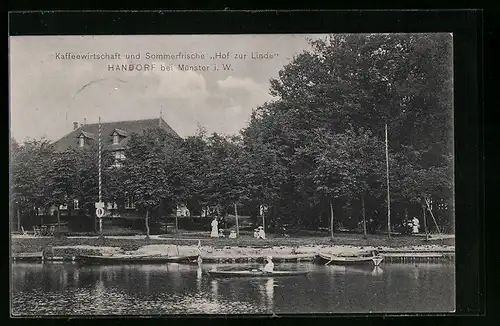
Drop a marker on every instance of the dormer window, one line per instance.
(118, 135)
(84, 138)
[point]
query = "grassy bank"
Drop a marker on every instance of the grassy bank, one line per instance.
(131, 244)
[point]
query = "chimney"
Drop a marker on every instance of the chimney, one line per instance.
(84, 121)
(75, 125)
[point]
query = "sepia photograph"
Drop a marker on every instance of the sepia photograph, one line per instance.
(236, 174)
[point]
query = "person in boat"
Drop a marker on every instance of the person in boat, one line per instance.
(269, 267)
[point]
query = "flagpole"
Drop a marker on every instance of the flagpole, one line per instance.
(100, 180)
(387, 175)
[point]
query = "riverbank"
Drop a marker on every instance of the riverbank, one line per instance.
(220, 250)
(131, 243)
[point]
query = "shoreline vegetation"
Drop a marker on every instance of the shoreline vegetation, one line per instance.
(217, 248)
(339, 146)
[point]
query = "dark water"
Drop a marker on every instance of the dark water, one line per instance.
(72, 289)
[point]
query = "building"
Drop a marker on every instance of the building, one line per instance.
(114, 135)
(114, 138)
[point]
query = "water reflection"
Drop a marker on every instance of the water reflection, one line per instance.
(100, 295)
(69, 289)
(199, 273)
(354, 269)
(76, 277)
(215, 289)
(270, 293)
(377, 271)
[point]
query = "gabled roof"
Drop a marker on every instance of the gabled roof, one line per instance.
(107, 128)
(85, 134)
(120, 132)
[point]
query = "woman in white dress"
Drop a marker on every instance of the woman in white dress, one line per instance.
(415, 225)
(261, 232)
(215, 231)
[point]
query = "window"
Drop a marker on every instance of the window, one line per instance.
(116, 138)
(112, 205)
(129, 203)
(82, 141)
(76, 204)
(119, 155)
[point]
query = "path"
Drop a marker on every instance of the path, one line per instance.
(124, 237)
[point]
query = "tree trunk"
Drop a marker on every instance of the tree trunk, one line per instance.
(236, 215)
(425, 224)
(176, 224)
(331, 220)
(387, 177)
(365, 235)
(18, 219)
(147, 223)
(263, 219)
(58, 220)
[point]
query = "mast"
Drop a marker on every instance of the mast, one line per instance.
(387, 175)
(100, 180)
(161, 116)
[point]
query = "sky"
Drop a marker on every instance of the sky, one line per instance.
(48, 92)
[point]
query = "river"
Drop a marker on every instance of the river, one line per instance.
(73, 289)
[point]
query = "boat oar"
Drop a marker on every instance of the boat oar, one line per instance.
(200, 260)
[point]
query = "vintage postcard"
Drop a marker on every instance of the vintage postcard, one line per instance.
(231, 174)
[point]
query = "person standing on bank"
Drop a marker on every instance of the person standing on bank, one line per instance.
(215, 231)
(415, 225)
(261, 234)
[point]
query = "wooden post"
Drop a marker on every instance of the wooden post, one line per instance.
(425, 224)
(331, 219)
(364, 216)
(236, 215)
(432, 215)
(387, 175)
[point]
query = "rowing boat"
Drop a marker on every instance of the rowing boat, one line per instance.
(254, 273)
(131, 259)
(349, 259)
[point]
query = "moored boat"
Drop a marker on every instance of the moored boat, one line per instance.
(131, 259)
(348, 259)
(254, 273)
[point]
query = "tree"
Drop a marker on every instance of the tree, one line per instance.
(29, 164)
(61, 180)
(193, 170)
(146, 170)
(361, 81)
